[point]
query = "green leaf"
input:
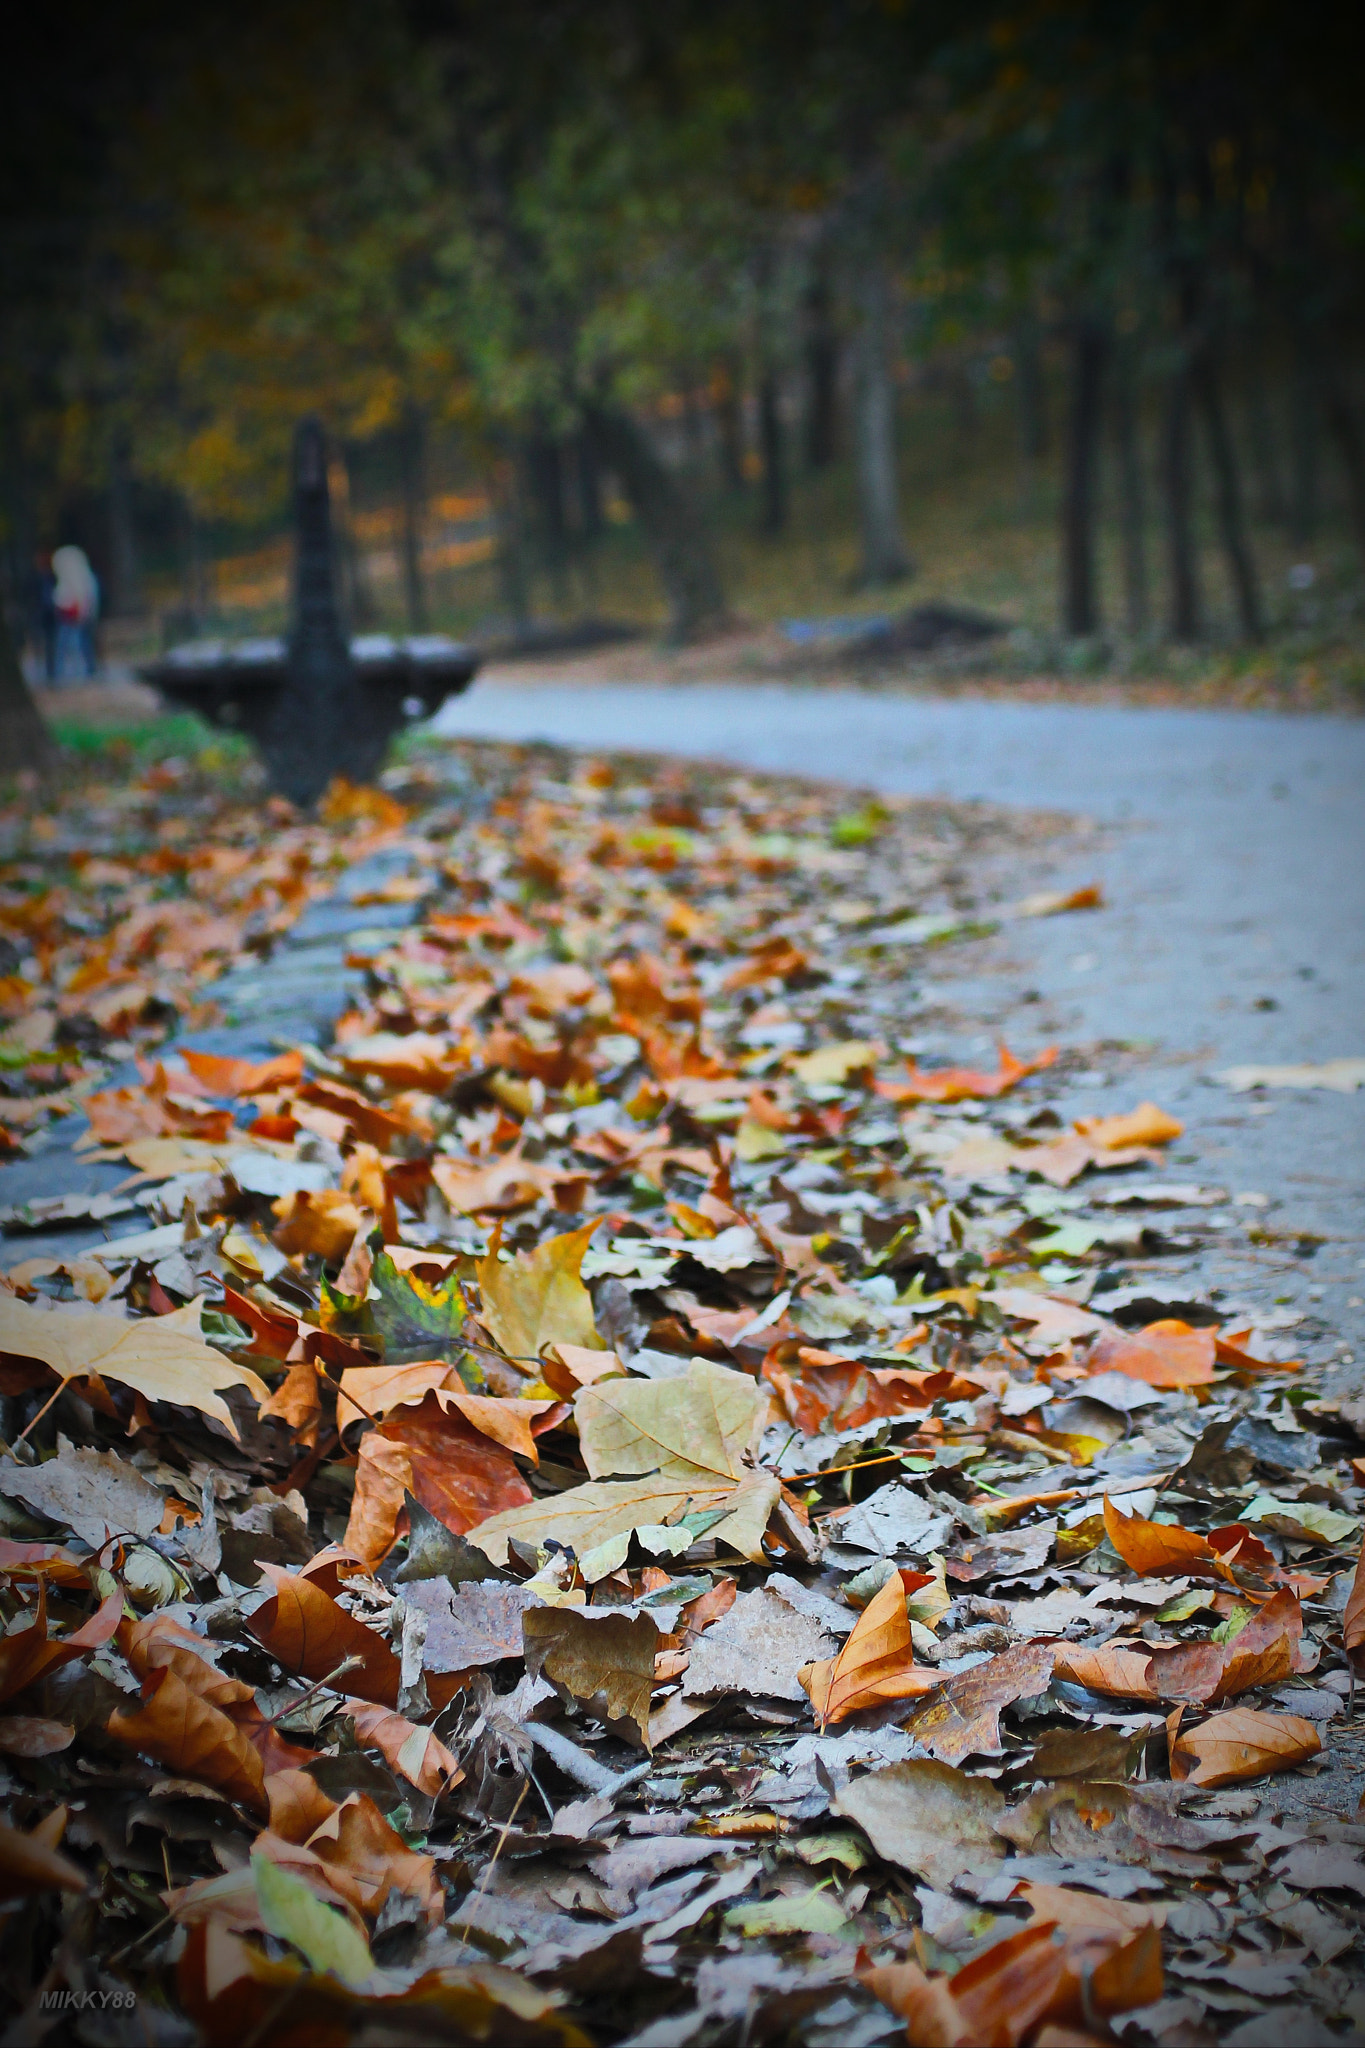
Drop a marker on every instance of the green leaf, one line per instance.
(323, 1936)
(411, 1318)
(814, 1912)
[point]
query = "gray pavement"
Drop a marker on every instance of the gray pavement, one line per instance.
(1232, 855)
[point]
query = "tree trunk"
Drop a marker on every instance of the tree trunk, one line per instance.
(1303, 520)
(822, 376)
(125, 596)
(730, 427)
(1179, 523)
(411, 452)
(1080, 596)
(504, 491)
(1227, 485)
(1132, 498)
(587, 477)
(884, 556)
(682, 552)
(770, 447)
(27, 743)
(361, 612)
(544, 466)
(1345, 429)
(1033, 422)
(1272, 505)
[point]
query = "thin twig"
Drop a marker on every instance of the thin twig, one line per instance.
(56, 1391)
(486, 1873)
(346, 1664)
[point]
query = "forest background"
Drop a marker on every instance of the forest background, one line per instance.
(685, 316)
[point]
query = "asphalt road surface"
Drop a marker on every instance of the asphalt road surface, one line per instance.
(1232, 857)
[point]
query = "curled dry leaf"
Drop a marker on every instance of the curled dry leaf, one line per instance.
(192, 1739)
(1261, 1653)
(1145, 1125)
(1044, 1973)
(1120, 1672)
(32, 1863)
(31, 1735)
(1156, 1550)
(414, 1752)
(362, 1859)
(602, 1660)
(964, 1084)
(453, 1469)
(1243, 1743)
(1353, 1620)
(163, 1358)
(877, 1662)
(28, 1654)
(303, 1629)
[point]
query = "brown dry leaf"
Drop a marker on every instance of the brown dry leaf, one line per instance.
(1166, 1354)
(927, 1817)
(456, 1472)
(32, 1863)
(538, 1298)
(96, 1494)
(471, 1625)
(192, 1739)
(303, 1629)
(1145, 1125)
(298, 1804)
(223, 1076)
(163, 1357)
(296, 1402)
(690, 1439)
(877, 1663)
(414, 1752)
(963, 1084)
(1123, 1673)
(1261, 1653)
(323, 1221)
(964, 1718)
(1243, 1743)
(566, 1368)
(1003, 1995)
(416, 1059)
(31, 1735)
(496, 1187)
(28, 1654)
(365, 1859)
(1077, 1912)
(602, 1660)
(1156, 1550)
(1353, 1620)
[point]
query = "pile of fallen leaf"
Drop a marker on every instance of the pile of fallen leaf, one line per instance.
(611, 1502)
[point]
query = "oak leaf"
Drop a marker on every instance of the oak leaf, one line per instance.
(1243, 1743)
(163, 1358)
(877, 1663)
(304, 1629)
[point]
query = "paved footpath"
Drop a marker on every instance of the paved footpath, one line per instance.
(1232, 857)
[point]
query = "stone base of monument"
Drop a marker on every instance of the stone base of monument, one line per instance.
(309, 726)
(315, 704)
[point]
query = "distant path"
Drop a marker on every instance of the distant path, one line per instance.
(1237, 875)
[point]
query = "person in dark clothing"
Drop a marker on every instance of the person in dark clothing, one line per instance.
(42, 612)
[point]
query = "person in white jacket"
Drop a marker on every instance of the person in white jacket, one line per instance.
(77, 601)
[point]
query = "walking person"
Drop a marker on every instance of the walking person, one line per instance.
(77, 600)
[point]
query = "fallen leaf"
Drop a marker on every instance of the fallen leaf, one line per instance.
(224, 1076)
(1243, 1743)
(689, 1439)
(604, 1661)
(192, 1739)
(1344, 1076)
(28, 1654)
(325, 1938)
(876, 1663)
(538, 1298)
(963, 1084)
(926, 1817)
(1161, 1549)
(455, 1471)
(1145, 1125)
(95, 1494)
(303, 1629)
(163, 1357)
(413, 1751)
(834, 1064)
(322, 1221)
(1261, 1653)
(1115, 1670)
(31, 1863)
(31, 1735)
(1353, 1619)
(1165, 1354)
(472, 1625)
(964, 1718)
(757, 1648)
(365, 1860)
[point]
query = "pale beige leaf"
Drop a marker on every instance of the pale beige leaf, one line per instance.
(162, 1357)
